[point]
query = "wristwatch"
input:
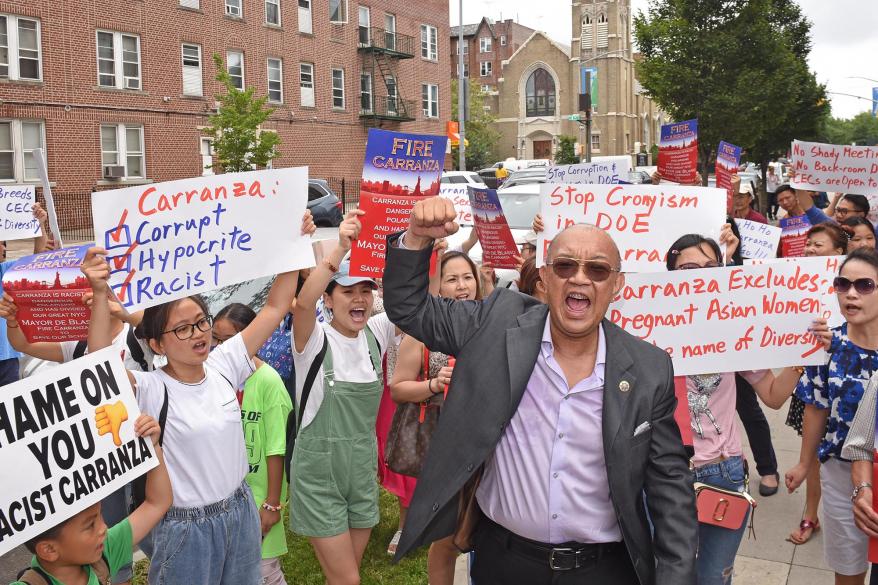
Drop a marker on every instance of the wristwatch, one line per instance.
(860, 487)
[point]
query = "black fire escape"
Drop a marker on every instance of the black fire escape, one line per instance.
(380, 98)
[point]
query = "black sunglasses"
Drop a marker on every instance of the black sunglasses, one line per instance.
(864, 286)
(595, 270)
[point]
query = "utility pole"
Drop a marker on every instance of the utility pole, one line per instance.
(461, 103)
(587, 115)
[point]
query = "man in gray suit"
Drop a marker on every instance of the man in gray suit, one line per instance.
(571, 419)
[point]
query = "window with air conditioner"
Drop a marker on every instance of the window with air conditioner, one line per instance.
(233, 8)
(122, 146)
(118, 57)
(306, 84)
(18, 140)
(430, 100)
(20, 53)
(192, 70)
(275, 81)
(235, 67)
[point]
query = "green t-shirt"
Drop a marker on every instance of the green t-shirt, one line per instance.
(264, 411)
(118, 549)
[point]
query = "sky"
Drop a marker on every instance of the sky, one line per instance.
(844, 39)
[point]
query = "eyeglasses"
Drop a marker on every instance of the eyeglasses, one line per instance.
(694, 266)
(184, 332)
(844, 211)
(595, 270)
(864, 286)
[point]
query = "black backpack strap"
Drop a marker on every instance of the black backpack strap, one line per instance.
(294, 420)
(136, 350)
(34, 576)
(79, 349)
(163, 416)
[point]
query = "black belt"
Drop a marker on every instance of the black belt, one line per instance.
(560, 557)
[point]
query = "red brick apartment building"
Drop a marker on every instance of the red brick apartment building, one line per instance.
(486, 45)
(117, 91)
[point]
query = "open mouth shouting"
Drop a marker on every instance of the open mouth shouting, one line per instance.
(358, 316)
(577, 303)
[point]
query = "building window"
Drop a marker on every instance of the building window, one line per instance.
(196, 4)
(206, 148)
(485, 68)
(430, 100)
(390, 32)
(502, 40)
(275, 81)
(465, 48)
(429, 40)
(306, 84)
(18, 139)
(235, 67)
(233, 8)
(118, 60)
(366, 92)
(596, 142)
(585, 33)
(363, 19)
(305, 16)
(602, 31)
(272, 12)
(192, 70)
(486, 88)
(484, 44)
(392, 106)
(338, 89)
(465, 69)
(540, 94)
(338, 11)
(123, 145)
(20, 48)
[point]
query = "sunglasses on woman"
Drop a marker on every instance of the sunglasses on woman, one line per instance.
(864, 286)
(595, 270)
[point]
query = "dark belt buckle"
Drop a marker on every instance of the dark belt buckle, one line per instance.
(566, 559)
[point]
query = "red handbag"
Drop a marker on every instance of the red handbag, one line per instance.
(720, 507)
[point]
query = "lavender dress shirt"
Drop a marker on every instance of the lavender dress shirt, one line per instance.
(547, 479)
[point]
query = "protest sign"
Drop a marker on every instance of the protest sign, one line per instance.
(180, 238)
(728, 157)
(17, 221)
(48, 289)
(728, 319)
(608, 170)
(758, 240)
(399, 170)
(643, 220)
(43, 171)
(834, 168)
(498, 245)
(678, 151)
(66, 442)
(458, 193)
(794, 234)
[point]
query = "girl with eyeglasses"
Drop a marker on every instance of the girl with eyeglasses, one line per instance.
(832, 395)
(211, 535)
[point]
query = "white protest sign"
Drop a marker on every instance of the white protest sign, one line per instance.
(175, 239)
(643, 220)
(43, 170)
(458, 194)
(66, 442)
(758, 240)
(728, 319)
(17, 221)
(606, 171)
(834, 168)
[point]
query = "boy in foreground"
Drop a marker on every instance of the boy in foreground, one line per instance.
(81, 550)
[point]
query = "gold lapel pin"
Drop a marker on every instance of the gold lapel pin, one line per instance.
(624, 386)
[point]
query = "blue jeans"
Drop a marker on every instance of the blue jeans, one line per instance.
(717, 546)
(218, 544)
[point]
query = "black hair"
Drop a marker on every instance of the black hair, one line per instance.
(782, 188)
(737, 257)
(867, 255)
(155, 319)
(50, 534)
(530, 276)
(447, 256)
(858, 201)
(239, 314)
(836, 234)
(856, 221)
(690, 241)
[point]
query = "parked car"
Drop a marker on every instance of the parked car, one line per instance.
(324, 205)
(524, 177)
(489, 175)
(462, 177)
(639, 178)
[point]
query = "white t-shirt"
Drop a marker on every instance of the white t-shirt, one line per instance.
(120, 342)
(204, 439)
(350, 358)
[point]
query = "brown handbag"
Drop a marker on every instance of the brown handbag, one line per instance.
(411, 430)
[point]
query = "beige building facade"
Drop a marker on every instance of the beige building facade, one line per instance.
(539, 85)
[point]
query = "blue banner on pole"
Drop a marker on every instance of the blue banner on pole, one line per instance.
(875, 101)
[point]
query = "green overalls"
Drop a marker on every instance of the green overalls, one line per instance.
(334, 470)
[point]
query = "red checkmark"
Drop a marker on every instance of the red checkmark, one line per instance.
(125, 285)
(119, 261)
(117, 234)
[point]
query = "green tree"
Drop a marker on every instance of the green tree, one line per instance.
(566, 154)
(480, 133)
(864, 129)
(238, 142)
(738, 67)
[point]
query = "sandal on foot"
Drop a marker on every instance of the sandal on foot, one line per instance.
(806, 525)
(394, 542)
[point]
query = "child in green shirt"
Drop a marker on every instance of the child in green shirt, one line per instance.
(74, 551)
(265, 405)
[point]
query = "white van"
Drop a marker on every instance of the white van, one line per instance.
(513, 165)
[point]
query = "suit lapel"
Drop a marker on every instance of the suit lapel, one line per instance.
(617, 376)
(522, 348)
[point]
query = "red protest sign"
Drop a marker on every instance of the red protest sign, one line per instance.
(794, 234)
(678, 152)
(498, 245)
